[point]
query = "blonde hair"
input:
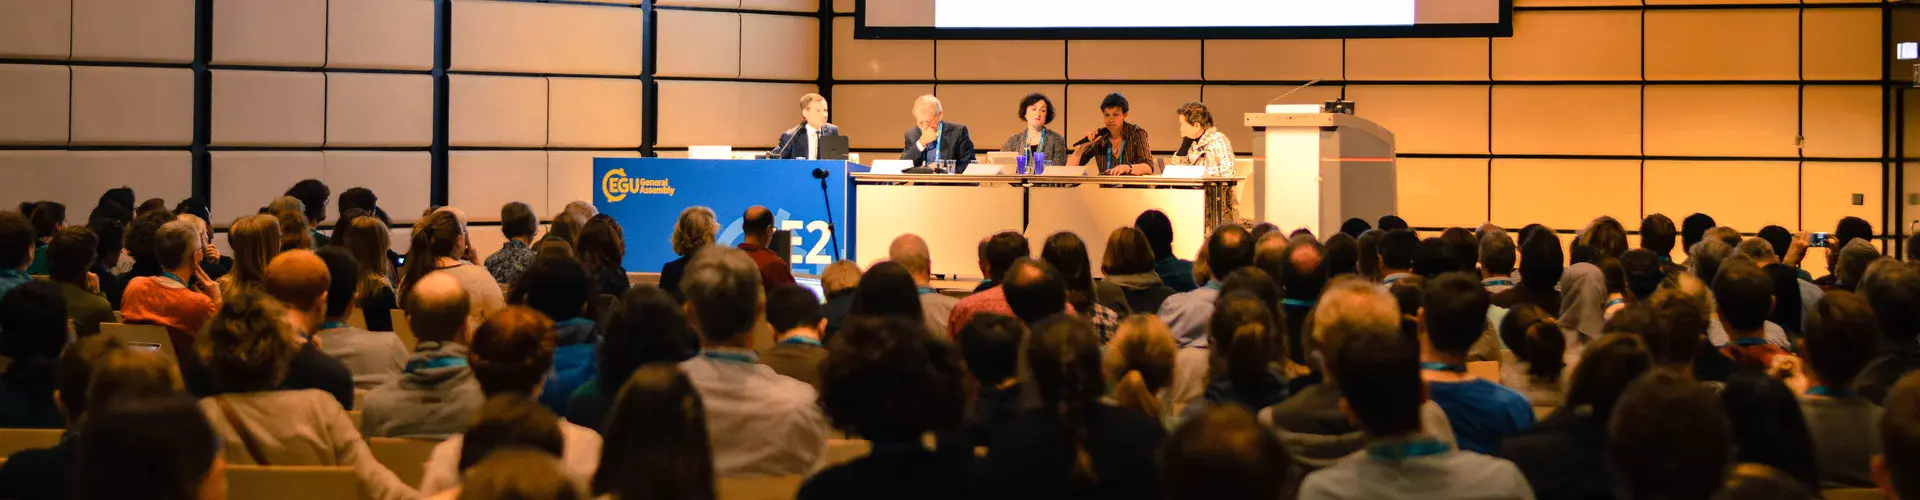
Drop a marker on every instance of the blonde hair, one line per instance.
(255, 240)
(695, 230)
(369, 241)
(1139, 363)
(840, 276)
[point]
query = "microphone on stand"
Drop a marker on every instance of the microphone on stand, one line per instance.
(781, 151)
(1276, 100)
(833, 235)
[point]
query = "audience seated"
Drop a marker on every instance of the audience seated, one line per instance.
(1743, 295)
(508, 424)
(1379, 371)
(695, 230)
(1343, 254)
(559, 288)
(1497, 258)
(367, 238)
(1068, 256)
(69, 256)
(645, 327)
(910, 252)
(110, 235)
(33, 317)
(516, 473)
(1139, 365)
(658, 437)
(991, 346)
(511, 353)
(374, 358)
(179, 297)
(765, 424)
(1128, 269)
(1897, 470)
(887, 290)
(1768, 426)
(1302, 278)
(1583, 301)
(1452, 316)
(47, 218)
(1751, 481)
(1842, 237)
(138, 245)
(1035, 291)
(123, 373)
(1539, 355)
(838, 281)
(249, 349)
(299, 280)
(518, 224)
(439, 242)
(997, 255)
(1841, 335)
(436, 394)
(1565, 455)
(1229, 248)
(255, 240)
(794, 313)
(1684, 309)
(1430, 258)
(1224, 455)
(1670, 437)
(1175, 272)
(757, 232)
(1245, 342)
(1074, 445)
(602, 245)
(150, 448)
(889, 382)
(1541, 264)
(1891, 289)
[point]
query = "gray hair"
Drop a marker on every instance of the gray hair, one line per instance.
(722, 286)
(1707, 255)
(1497, 251)
(1853, 261)
(1760, 250)
(927, 99)
(1352, 305)
(175, 242)
(287, 204)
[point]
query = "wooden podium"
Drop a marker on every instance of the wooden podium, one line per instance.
(1315, 170)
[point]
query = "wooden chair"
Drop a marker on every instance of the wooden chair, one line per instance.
(407, 458)
(1489, 370)
(17, 440)
(359, 398)
(840, 451)
(758, 488)
(403, 329)
(1541, 412)
(292, 482)
(1854, 494)
(356, 417)
(143, 336)
(357, 318)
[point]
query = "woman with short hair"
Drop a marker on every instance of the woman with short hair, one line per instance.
(695, 230)
(1201, 143)
(1037, 111)
(255, 240)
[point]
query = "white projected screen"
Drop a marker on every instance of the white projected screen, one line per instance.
(1162, 14)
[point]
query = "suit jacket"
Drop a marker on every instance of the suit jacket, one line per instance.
(800, 146)
(955, 144)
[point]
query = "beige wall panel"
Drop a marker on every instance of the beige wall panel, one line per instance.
(1152, 108)
(1133, 59)
(1272, 59)
(878, 116)
(37, 29)
(1003, 59)
(705, 44)
(1840, 44)
(1571, 3)
(244, 181)
(1731, 120)
(1566, 119)
(365, 109)
(1842, 121)
(593, 112)
(716, 4)
(34, 99)
(76, 178)
(132, 106)
(401, 178)
(878, 59)
(781, 5)
(1442, 192)
(1417, 59)
(269, 108)
(742, 115)
(496, 111)
(988, 111)
(843, 6)
(596, 40)
(547, 38)
(757, 128)
(270, 32)
(1753, 44)
(1680, 188)
(570, 178)
(1427, 118)
(1523, 192)
(380, 34)
(1231, 103)
(1717, 2)
(1548, 45)
(779, 47)
(1827, 189)
(133, 30)
(482, 181)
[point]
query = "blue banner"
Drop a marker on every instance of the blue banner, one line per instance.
(646, 196)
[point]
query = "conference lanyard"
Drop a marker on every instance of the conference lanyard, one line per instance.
(1298, 302)
(732, 356)
(1116, 153)
(927, 290)
(446, 362)
(1614, 302)
(933, 150)
(332, 325)
(1412, 449)
(171, 276)
(1497, 283)
(1832, 392)
(802, 341)
(1442, 367)
(1755, 342)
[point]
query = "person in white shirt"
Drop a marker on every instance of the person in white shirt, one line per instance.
(803, 140)
(761, 423)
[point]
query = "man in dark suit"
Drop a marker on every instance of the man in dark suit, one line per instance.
(934, 139)
(813, 108)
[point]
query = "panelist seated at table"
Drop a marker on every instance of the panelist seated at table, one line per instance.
(803, 140)
(1201, 143)
(1118, 147)
(1037, 110)
(932, 139)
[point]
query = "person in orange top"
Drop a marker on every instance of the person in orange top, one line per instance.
(182, 298)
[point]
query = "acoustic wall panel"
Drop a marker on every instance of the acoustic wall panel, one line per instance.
(36, 29)
(1002, 59)
(1417, 59)
(1151, 107)
(757, 128)
(991, 112)
(132, 106)
(570, 178)
(402, 179)
(1231, 103)
(1427, 118)
(1841, 121)
(269, 108)
(1572, 3)
(481, 181)
(380, 34)
(1566, 119)
(496, 111)
(133, 30)
(1718, 2)
(34, 100)
(76, 178)
(1133, 59)
(1570, 45)
(1840, 44)
(1442, 192)
(1678, 188)
(1753, 44)
(1720, 120)
(743, 115)
(244, 181)
(379, 110)
(878, 59)
(781, 5)
(702, 44)
(711, 4)
(1524, 192)
(594, 112)
(270, 32)
(779, 47)
(843, 6)
(1827, 190)
(1272, 59)
(878, 116)
(546, 38)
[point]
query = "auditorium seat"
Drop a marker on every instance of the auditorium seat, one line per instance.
(357, 318)
(1854, 494)
(355, 416)
(758, 488)
(292, 482)
(840, 451)
(153, 335)
(1489, 370)
(407, 458)
(1541, 412)
(16, 440)
(403, 329)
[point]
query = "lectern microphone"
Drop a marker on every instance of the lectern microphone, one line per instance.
(1276, 100)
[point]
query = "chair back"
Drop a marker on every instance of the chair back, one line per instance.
(407, 458)
(18, 440)
(357, 318)
(758, 488)
(356, 416)
(151, 337)
(1854, 494)
(840, 451)
(404, 329)
(1489, 370)
(292, 482)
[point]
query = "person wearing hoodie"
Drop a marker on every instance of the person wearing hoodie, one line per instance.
(1128, 266)
(436, 395)
(559, 288)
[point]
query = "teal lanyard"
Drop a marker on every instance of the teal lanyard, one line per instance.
(446, 362)
(1403, 451)
(802, 341)
(1392, 279)
(732, 356)
(171, 276)
(1215, 284)
(1615, 302)
(1750, 342)
(573, 322)
(933, 149)
(332, 325)
(1116, 153)
(1832, 392)
(1298, 302)
(927, 290)
(1442, 367)
(1497, 283)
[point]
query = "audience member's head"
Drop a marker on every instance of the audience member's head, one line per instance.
(998, 252)
(1034, 290)
(313, 194)
(16, 241)
(1462, 247)
(1541, 259)
(1849, 229)
(1768, 427)
(566, 226)
(1127, 253)
(358, 197)
(1671, 437)
(1898, 469)
(1892, 289)
(1685, 308)
(299, 280)
(1138, 363)
(1064, 355)
(910, 251)
(34, 317)
(150, 206)
(507, 421)
(1391, 222)
(888, 290)
(1351, 306)
(1254, 282)
(156, 448)
(723, 295)
(1842, 336)
(1657, 234)
(519, 473)
(990, 344)
(656, 439)
(558, 288)
(1638, 318)
(1068, 256)
(436, 235)
(512, 351)
(1245, 338)
(1497, 253)
(1453, 312)
(1693, 229)
(793, 307)
(1641, 268)
(118, 373)
(695, 230)
(1707, 256)
(1778, 239)
(1354, 226)
(437, 309)
(1853, 262)
(1302, 271)
(1224, 454)
(647, 327)
(1430, 258)
(75, 373)
(1606, 366)
(1158, 229)
(1380, 385)
(885, 379)
(255, 239)
(840, 277)
(1369, 248)
(343, 277)
(1262, 229)
(1758, 250)
(1535, 339)
(70, 254)
(369, 240)
(1408, 293)
(47, 217)
(1343, 255)
(1742, 295)
(139, 241)
(1396, 250)
(518, 221)
(757, 224)
(1228, 249)
(121, 196)
(296, 232)
(248, 346)
(1752, 481)
(601, 245)
(111, 234)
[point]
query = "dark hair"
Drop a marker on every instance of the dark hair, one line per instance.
(1065, 358)
(1638, 318)
(1028, 101)
(510, 420)
(1778, 238)
(1541, 260)
(151, 205)
(154, 448)
(1684, 331)
(47, 217)
(757, 220)
(991, 345)
(647, 327)
(34, 317)
(657, 439)
(1225, 453)
(1892, 290)
(1430, 258)
(885, 379)
(1253, 282)
(1196, 113)
(1127, 253)
(1849, 229)
(1407, 293)
(1842, 336)
(601, 245)
(792, 306)
(76, 371)
(1068, 256)
(358, 197)
(520, 473)
(1642, 271)
(249, 345)
(1693, 229)
(1000, 250)
(1743, 295)
(1379, 377)
(70, 253)
(1606, 367)
(1535, 339)
(1397, 249)
(1768, 427)
(313, 194)
(195, 207)
(1670, 437)
(1657, 234)
(16, 240)
(1455, 312)
(120, 197)
(1355, 227)
(435, 235)
(1369, 243)
(1261, 230)
(887, 289)
(1607, 237)
(558, 288)
(512, 351)
(1298, 282)
(1158, 230)
(1114, 100)
(1390, 222)
(1900, 433)
(1343, 254)
(1462, 247)
(516, 220)
(1229, 248)
(344, 278)
(1034, 290)
(111, 236)
(1245, 337)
